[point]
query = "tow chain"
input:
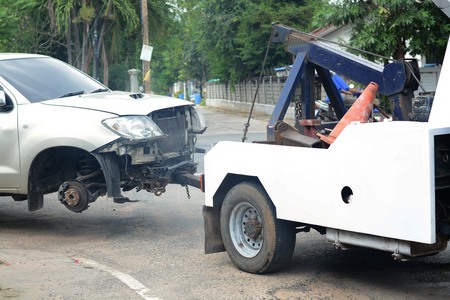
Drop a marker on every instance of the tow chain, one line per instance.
(298, 111)
(187, 192)
(247, 125)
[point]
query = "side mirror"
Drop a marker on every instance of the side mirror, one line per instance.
(2, 97)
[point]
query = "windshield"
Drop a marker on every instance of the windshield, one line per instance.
(45, 78)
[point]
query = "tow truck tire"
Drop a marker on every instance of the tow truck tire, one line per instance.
(255, 240)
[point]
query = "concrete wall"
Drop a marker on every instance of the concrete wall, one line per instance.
(239, 97)
(429, 77)
(245, 107)
(244, 91)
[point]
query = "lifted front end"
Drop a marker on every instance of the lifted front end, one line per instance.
(122, 165)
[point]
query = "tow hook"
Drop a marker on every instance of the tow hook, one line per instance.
(157, 187)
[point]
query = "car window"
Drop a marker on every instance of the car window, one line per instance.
(45, 78)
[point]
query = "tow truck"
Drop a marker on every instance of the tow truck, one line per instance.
(381, 185)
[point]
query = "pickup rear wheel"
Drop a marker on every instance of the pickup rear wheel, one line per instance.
(255, 240)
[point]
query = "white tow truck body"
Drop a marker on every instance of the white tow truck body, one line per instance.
(375, 186)
(391, 182)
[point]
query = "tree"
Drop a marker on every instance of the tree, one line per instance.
(255, 28)
(28, 26)
(228, 39)
(167, 62)
(221, 20)
(97, 19)
(390, 28)
(13, 20)
(71, 29)
(225, 39)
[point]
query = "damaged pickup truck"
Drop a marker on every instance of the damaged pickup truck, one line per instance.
(62, 131)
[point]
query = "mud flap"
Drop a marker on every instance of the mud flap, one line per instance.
(35, 198)
(213, 237)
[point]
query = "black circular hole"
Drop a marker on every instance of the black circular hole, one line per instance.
(347, 194)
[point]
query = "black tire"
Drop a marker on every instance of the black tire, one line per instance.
(256, 241)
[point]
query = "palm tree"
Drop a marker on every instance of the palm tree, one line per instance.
(115, 17)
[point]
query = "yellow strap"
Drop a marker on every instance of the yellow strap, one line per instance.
(147, 75)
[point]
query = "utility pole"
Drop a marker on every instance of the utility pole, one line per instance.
(145, 64)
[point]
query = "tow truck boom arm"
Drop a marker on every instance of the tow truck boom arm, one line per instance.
(395, 80)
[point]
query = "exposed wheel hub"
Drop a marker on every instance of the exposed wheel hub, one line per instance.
(252, 227)
(71, 197)
(74, 195)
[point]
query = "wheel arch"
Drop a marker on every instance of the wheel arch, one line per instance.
(228, 183)
(45, 162)
(49, 169)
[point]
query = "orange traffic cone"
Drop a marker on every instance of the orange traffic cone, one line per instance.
(360, 111)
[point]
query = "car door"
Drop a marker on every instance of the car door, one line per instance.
(9, 144)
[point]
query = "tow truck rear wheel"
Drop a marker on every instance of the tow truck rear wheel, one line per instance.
(255, 240)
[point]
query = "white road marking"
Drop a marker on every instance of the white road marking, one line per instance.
(125, 278)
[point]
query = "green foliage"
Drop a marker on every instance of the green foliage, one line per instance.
(7, 21)
(390, 28)
(227, 40)
(239, 32)
(255, 29)
(17, 25)
(86, 13)
(118, 77)
(193, 40)
(166, 65)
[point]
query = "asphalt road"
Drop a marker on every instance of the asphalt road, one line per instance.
(153, 249)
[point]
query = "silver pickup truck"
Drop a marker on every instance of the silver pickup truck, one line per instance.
(62, 131)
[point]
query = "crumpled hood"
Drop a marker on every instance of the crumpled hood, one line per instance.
(120, 103)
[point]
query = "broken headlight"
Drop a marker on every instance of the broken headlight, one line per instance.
(198, 121)
(133, 127)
